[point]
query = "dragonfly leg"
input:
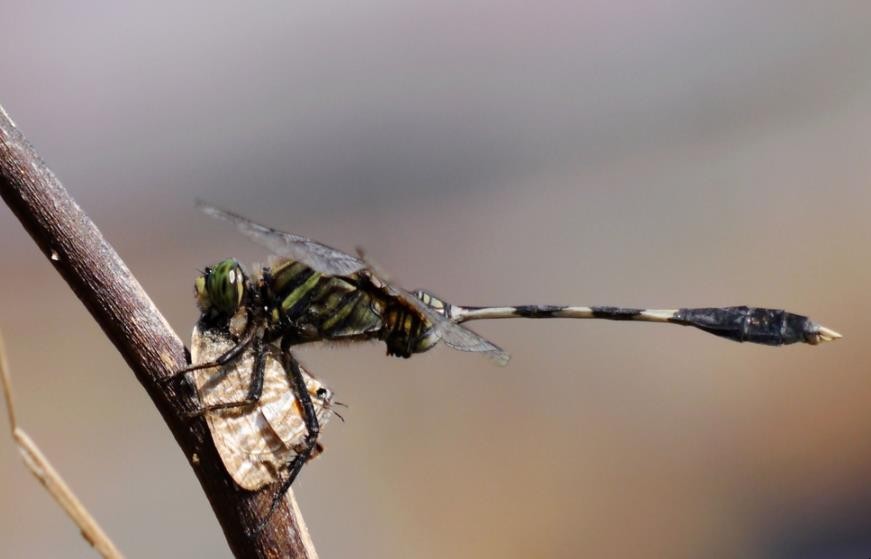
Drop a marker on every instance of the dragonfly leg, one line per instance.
(228, 356)
(305, 449)
(255, 388)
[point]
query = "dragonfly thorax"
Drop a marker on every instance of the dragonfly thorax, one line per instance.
(306, 305)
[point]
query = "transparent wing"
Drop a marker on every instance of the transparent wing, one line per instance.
(317, 256)
(452, 334)
(461, 338)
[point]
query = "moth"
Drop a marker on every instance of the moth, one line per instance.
(256, 441)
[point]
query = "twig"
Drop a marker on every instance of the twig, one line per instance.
(42, 469)
(102, 281)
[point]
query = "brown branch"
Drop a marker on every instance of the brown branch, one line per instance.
(102, 281)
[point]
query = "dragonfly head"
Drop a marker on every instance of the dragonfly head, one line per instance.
(221, 288)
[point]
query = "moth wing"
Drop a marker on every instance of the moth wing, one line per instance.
(281, 407)
(251, 451)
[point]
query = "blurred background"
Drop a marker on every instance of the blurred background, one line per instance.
(659, 153)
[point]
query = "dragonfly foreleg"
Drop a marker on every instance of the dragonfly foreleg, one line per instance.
(255, 387)
(230, 355)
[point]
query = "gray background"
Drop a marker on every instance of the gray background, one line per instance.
(635, 153)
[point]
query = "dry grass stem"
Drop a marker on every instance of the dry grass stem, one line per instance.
(40, 467)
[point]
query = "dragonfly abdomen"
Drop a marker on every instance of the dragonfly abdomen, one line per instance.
(750, 324)
(405, 332)
(537, 311)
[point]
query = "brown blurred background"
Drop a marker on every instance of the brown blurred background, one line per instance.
(634, 153)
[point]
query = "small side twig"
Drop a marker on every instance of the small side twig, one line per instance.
(42, 469)
(101, 280)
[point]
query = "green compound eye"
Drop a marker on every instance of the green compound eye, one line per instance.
(224, 286)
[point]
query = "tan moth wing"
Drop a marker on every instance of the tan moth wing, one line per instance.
(255, 442)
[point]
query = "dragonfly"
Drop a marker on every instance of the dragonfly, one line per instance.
(312, 292)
